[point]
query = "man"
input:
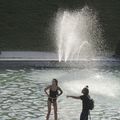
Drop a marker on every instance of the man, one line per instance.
(85, 103)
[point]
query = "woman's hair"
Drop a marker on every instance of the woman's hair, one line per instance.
(56, 81)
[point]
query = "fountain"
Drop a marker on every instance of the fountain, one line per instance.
(77, 34)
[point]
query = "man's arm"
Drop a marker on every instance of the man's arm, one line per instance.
(74, 97)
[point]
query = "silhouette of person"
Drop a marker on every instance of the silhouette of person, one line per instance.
(53, 91)
(85, 103)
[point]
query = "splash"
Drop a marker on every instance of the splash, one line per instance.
(99, 82)
(77, 33)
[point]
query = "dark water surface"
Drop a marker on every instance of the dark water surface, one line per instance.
(26, 25)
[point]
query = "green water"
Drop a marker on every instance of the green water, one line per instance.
(26, 25)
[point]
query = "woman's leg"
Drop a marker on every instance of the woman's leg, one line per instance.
(55, 110)
(49, 110)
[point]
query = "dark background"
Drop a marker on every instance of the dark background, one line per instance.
(25, 24)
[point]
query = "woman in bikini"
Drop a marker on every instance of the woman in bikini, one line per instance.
(53, 91)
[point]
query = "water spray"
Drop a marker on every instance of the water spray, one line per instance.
(75, 33)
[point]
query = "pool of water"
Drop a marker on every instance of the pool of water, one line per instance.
(22, 93)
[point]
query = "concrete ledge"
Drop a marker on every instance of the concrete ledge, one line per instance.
(13, 59)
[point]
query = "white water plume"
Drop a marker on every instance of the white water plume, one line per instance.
(76, 33)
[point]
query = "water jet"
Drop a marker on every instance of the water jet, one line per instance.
(77, 30)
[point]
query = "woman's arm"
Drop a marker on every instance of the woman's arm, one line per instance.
(61, 92)
(45, 90)
(74, 97)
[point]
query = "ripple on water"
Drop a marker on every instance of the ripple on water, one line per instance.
(22, 98)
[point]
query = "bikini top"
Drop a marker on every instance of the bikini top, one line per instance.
(53, 94)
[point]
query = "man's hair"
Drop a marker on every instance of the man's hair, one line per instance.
(85, 90)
